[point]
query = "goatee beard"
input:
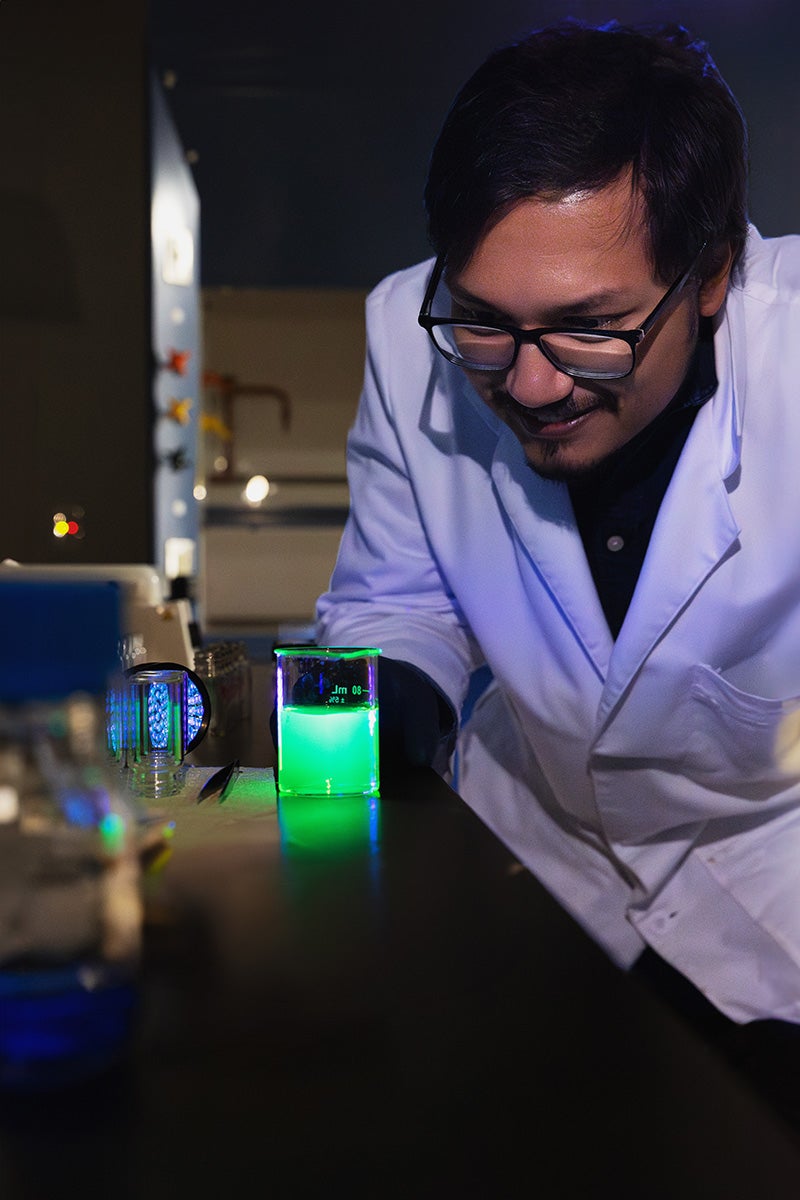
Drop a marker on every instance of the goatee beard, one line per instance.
(518, 416)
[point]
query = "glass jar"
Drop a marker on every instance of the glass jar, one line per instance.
(70, 899)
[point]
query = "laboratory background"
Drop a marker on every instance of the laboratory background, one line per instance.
(196, 200)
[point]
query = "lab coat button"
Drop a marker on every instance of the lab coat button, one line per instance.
(615, 542)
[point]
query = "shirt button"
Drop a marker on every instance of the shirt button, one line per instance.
(615, 542)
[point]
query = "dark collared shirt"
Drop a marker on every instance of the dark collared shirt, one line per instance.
(616, 507)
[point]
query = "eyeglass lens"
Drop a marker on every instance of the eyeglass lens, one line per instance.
(484, 348)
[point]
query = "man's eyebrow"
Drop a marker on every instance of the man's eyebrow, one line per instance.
(606, 302)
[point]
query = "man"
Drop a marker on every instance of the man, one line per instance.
(575, 465)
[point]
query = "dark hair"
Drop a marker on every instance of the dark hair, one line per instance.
(572, 106)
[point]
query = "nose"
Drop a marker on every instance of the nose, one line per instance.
(534, 381)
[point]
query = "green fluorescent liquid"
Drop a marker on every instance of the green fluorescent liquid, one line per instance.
(328, 752)
(329, 825)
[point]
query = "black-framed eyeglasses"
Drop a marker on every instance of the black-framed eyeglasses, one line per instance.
(581, 353)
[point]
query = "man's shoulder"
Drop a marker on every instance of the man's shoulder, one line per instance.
(771, 267)
(402, 287)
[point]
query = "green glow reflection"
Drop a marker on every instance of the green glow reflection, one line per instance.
(332, 825)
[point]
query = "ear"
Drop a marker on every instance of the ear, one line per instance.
(714, 287)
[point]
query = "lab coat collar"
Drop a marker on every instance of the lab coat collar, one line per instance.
(695, 529)
(728, 402)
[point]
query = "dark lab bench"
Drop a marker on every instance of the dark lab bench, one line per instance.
(391, 1008)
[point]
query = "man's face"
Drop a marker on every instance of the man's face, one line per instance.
(579, 261)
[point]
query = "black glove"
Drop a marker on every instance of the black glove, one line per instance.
(416, 724)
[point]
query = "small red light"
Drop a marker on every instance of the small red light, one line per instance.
(73, 527)
(178, 361)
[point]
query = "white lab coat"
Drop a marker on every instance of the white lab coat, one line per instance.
(650, 783)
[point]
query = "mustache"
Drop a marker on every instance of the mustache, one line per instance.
(560, 410)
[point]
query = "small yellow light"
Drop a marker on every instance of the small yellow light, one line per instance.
(61, 529)
(200, 492)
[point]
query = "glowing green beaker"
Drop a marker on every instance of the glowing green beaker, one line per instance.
(327, 704)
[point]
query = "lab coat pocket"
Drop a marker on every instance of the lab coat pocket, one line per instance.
(741, 743)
